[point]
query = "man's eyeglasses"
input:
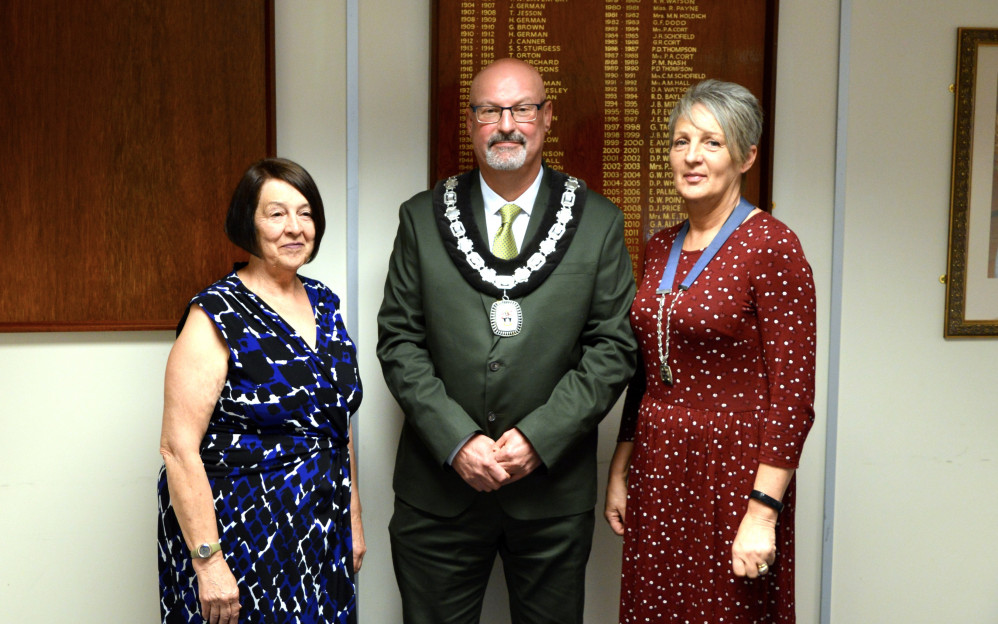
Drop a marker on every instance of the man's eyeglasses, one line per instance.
(488, 114)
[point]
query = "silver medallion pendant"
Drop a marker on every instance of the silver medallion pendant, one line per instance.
(506, 318)
(666, 374)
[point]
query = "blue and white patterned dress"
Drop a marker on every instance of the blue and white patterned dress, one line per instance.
(276, 457)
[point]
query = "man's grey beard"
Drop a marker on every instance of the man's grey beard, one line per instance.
(506, 160)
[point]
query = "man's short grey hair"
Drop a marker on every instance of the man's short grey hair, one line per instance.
(734, 107)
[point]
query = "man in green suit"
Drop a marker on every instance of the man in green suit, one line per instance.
(504, 336)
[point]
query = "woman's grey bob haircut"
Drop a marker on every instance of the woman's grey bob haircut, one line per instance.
(734, 107)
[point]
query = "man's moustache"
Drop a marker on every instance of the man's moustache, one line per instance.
(511, 137)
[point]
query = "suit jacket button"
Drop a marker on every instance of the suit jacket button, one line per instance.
(492, 416)
(494, 366)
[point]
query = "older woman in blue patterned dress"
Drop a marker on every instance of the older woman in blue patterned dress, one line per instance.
(259, 510)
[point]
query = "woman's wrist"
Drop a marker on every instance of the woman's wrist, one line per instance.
(761, 514)
(201, 565)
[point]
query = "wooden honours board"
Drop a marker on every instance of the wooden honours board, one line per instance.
(613, 70)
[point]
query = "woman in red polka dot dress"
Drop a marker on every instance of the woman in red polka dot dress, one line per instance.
(701, 484)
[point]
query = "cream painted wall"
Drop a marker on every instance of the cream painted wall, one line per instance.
(803, 197)
(79, 433)
(916, 507)
(310, 73)
(394, 99)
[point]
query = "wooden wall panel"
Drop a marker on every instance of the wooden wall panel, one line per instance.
(126, 127)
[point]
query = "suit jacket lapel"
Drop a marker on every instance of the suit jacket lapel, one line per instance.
(478, 209)
(540, 207)
(478, 214)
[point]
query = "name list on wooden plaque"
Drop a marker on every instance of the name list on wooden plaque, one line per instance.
(613, 70)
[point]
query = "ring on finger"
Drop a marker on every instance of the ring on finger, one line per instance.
(763, 568)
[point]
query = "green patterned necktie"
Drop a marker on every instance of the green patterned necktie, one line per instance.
(504, 245)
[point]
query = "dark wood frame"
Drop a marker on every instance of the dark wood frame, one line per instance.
(165, 100)
(962, 204)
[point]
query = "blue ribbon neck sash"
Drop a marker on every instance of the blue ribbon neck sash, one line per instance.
(734, 219)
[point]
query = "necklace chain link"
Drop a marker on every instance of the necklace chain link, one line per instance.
(663, 354)
(522, 273)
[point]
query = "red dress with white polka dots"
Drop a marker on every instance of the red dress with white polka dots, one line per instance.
(741, 347)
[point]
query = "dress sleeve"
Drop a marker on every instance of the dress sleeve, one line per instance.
(214, 306)
(785, 301)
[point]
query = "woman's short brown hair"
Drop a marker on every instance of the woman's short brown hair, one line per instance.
(240, 224)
